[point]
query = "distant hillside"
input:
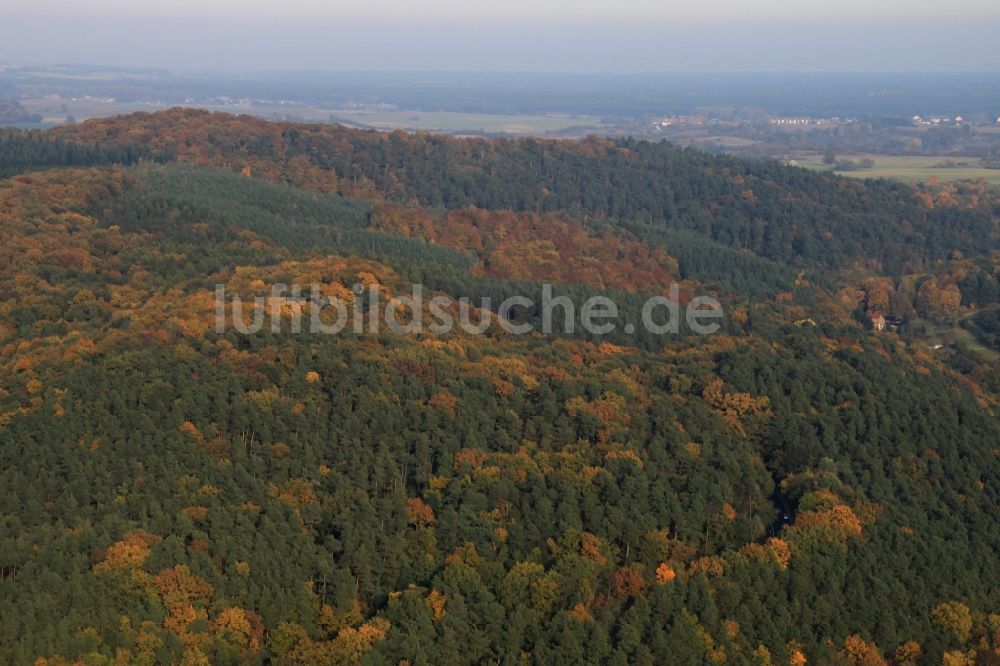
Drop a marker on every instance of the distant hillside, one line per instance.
(12, 113)
(780, 213)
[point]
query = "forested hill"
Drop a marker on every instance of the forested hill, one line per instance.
(793, 489)
(785, 214)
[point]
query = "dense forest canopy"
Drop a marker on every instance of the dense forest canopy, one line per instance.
(787, 214)
(797, 488)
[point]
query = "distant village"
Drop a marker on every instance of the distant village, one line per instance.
(699, 120)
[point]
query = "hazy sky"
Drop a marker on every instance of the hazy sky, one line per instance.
(529, 10)
(536, 35)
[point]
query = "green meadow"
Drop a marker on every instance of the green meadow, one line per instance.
(912, 168)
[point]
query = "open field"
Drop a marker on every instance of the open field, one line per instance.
(912, 168)
(56, 111)
(446, 121)
(944, 334)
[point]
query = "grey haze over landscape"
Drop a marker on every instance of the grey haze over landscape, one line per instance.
(760, 35)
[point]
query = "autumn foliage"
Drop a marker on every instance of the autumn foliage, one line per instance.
(548, 248)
